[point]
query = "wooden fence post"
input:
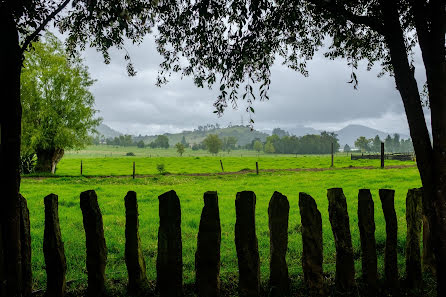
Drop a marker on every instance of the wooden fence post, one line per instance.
(25, 239)
(207, 257)
(366, 224)
(382, 154)
(390, 253)
(338, 215)
(257, 168)
(414, 221)
(332, 154)
(246, 245)
(169, 261)
(81, 167)
(428, 253)
(312, 254)
(134, 259)
(95, 243)
(278, 214)
(53, 249)
(134, 170)
(221, 164)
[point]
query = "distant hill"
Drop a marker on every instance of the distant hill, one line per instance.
(107, 132)
(242, 133)
(350, 133)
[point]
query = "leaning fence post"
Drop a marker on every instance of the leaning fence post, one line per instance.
(95, 243)
(414, 223)
(366, 224)
(207, 257)
(312, 254)
(338, 215)
(221, 164)
(134, 259)
(25, 239)
(169, 261)
(278, 213)
(390, 253)
(246, 245)
(53, 249)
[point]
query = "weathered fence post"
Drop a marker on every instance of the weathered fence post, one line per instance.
(366, 224)
(134, 259)
(382, 154)
(207, 257)
(221, 164)
(428, 253)
(25, 239)
(246, 245)
(332, 154)
(414, 223)
(390, 253)
(339, 220)
(278, 214)
(95, 243)
(257, 168)
(81, 167)
(312, 254)
(134, 169)
(53, 249)
(169, 261)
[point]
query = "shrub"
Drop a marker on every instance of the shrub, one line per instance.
(130, 154)
(27, 163)
(161, 168)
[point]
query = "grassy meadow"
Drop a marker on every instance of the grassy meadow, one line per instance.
(190, 189)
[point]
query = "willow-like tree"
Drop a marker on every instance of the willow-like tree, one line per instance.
(236, 42)
(58, 108)
(99, 23)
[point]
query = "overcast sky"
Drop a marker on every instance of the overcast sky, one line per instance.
(323, 100)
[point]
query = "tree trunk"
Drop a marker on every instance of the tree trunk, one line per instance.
(47, 159)
(431, 162)
(10, 130)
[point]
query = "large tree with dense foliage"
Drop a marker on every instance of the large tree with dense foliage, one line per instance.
(234, 44)
(213, 143)
(58, 108)
(99, 23)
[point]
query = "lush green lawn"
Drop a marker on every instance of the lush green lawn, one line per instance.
(190, 189)
(109, 160)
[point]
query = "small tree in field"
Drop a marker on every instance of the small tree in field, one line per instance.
(269, 147)
(213, 143)
(347, 148)
(363, 144)
(258, 146)
(180, 148)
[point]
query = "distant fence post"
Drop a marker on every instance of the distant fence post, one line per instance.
(257, 168)
(169, 261)
(338, 215)
(414, 221)
(134, 169)
(312, 253)
(95, 243)
(246, 245)
(221, 164)
(81, 167)
(390, 253)
(278, 214)
(382, 154)
(207, 256)
(332, 154)
(53, 249)
(366, 224)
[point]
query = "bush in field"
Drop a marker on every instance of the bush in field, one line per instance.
(258, 146)
(130, 154)
(140, 144)
(161, 169)
(213, 143)
(180, 148)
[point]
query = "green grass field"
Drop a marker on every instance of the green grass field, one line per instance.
(190, 189)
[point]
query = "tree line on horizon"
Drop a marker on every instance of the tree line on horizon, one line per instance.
(391, 144)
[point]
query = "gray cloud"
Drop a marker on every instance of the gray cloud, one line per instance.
(323, 100)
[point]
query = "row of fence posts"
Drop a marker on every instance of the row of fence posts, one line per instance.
(169, 265)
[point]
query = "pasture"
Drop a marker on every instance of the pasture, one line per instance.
(190, 189)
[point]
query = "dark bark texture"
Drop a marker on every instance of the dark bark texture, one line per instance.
(53, 249)
(169, 261)
(95, 243)
(340, 225)
(134, 259)
(312, 254)
(47, 159)
(414, 222)
(246, 244)
(207, 257)
(366, 224)
(278, 213)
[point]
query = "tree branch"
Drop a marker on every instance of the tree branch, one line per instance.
(45, 22)
(332, 7)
